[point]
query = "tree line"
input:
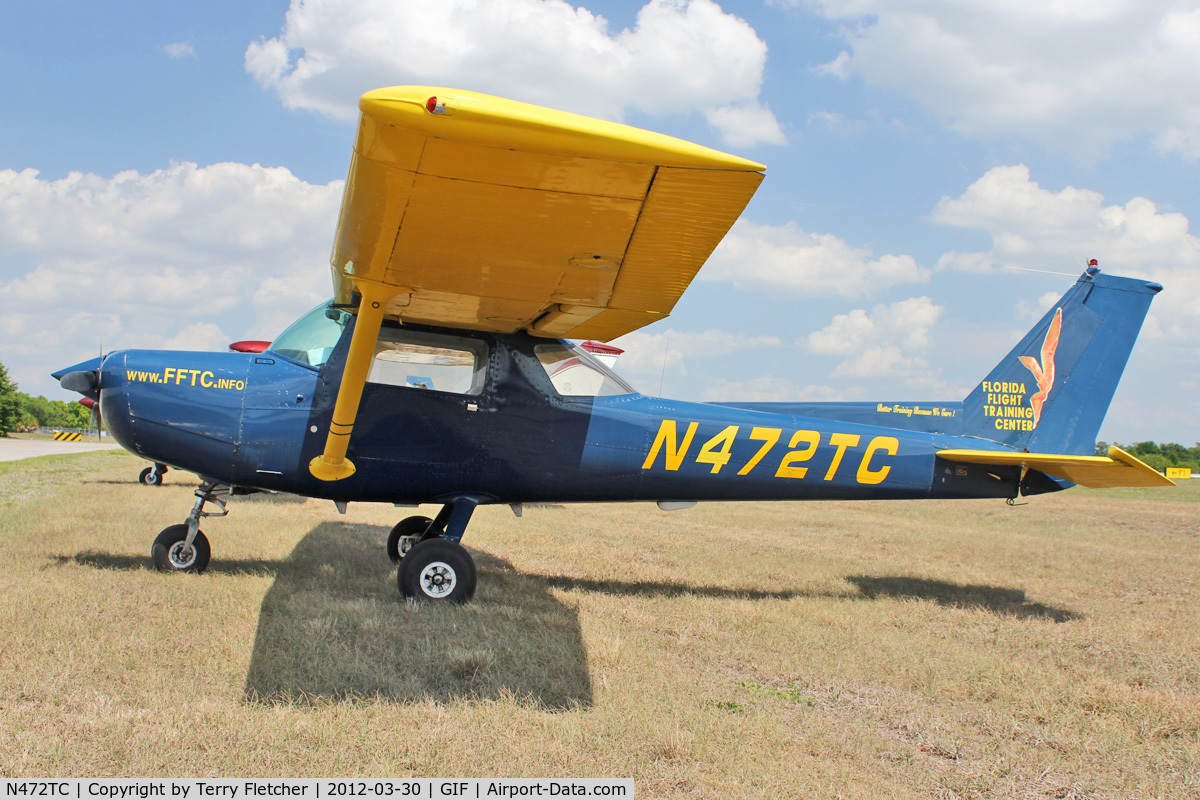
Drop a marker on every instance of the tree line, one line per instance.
(22, 412)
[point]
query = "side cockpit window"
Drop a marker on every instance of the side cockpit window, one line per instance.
(574, 373)
(435, 361)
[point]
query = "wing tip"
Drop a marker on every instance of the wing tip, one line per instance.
(469, 113)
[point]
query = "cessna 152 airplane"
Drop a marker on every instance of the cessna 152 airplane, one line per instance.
(476, 236)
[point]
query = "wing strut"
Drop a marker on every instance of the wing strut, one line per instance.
(332, 464)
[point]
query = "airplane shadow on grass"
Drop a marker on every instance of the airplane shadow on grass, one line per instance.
(996, 599)
(101, 560)
(333, 627)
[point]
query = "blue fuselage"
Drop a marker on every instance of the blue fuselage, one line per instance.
(257, 420)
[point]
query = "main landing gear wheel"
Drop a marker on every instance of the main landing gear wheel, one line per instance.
(152, 476)
(406, 534)
(172, 553)
(439, 570)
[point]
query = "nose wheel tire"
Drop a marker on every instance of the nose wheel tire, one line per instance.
(405, 535)
(437, 570)
(171, 553)
(151, 477)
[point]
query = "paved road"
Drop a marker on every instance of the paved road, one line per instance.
(15, 449)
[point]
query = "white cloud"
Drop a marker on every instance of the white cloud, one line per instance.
(680, 56)
(178, 50)
(965, 262)
(1005, 198)
(879, 361)
(184, 257)
(836, 121)
(785, 258)
(880, 343)
(1030, 311)
(906, 322)
(746, 124)
(650, 354)
(1031, 228)
(197, 336)
(1078, 76)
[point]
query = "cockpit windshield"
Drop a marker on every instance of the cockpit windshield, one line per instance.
(575, 373)
(311, 339)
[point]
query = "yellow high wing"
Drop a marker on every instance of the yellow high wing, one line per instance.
(1118, 468)
(470, 211)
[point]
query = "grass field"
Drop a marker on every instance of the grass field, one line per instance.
(910, 649)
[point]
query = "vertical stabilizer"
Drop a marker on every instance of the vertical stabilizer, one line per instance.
(1051, 393)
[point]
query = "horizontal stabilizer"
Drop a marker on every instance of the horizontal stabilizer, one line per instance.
(1118, 468)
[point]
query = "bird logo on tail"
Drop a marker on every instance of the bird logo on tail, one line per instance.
(1043, 373)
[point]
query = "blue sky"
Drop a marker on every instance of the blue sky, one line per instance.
(170, 174)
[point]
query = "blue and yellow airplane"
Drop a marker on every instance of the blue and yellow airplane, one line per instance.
(477, 236)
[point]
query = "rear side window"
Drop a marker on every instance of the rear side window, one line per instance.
(574, 373)
(432, 361)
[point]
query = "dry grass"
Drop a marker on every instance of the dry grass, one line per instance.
(937, 649)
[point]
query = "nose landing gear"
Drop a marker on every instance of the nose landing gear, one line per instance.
(172, 552)
(153, 476)
(184, 548)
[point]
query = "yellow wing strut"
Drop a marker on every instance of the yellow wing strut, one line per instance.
(332, 464)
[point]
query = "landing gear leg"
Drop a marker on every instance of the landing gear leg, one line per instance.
(184, 548)
(438, 568)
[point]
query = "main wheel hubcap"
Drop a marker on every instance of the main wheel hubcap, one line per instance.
(181, 555)
(438, 579)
